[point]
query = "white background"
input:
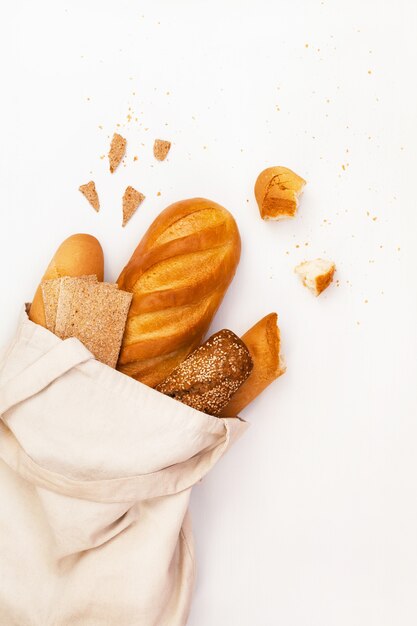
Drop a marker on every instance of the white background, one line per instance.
(311, 520)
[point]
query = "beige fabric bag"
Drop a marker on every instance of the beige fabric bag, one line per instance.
(95, 480)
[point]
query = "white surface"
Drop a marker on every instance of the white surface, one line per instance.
(311, 519)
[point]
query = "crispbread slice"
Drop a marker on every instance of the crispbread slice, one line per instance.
(161, 147)
(66, 290)
(50, 294)
(96, 314)
(117, 151)
(90, 192)
(132, 198)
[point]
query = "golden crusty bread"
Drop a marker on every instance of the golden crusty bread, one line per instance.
(263, 343)
(78, 255)
(178, 275)
(277, 190)
(210, 375)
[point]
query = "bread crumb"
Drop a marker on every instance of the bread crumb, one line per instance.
(161, 149)
(135, 158)
(89, 191)
(131, 201)
(117, 151)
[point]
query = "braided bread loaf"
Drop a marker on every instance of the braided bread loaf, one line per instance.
(178, 275)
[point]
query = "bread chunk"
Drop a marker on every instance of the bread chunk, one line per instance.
(316, 275)
(277, 190)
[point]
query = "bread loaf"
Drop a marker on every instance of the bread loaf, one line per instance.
(208, 378)
(263, 343)
(178, 275)
(78, 255)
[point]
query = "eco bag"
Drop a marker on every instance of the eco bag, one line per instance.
(96, 472)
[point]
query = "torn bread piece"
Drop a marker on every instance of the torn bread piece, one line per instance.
(117, 151)
(89, 191)
(132, 198)
(50, 294)
(96, 315)
(263, 341)
(277, 192)
(316, 275)
(161, 149)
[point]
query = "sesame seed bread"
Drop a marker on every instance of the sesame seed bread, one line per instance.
(208, 378)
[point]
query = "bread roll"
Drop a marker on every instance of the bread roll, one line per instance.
(178, 275)
(263, 343)
(208, 378)
(78, 255)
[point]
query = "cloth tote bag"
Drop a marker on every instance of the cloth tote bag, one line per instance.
(96, 471)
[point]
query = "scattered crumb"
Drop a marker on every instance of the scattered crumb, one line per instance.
(131, 200)
(89, 191)
(161, 149)
(135, 158)
(117, 151)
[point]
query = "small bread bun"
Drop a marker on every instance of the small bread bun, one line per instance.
(263, 342)
(277, 190)
(79, 255)
(316, 275)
